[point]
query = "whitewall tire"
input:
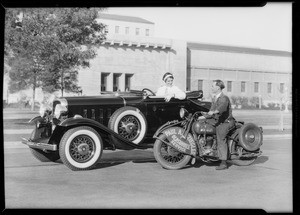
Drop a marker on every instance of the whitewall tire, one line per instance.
(81, 148)
(130, 123)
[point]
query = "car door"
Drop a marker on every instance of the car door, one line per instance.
(159, 111)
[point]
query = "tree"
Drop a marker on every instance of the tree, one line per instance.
(50, 45)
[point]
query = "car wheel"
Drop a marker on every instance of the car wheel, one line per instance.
(44, 156)
(80, 148)
(167, 156)
(130, 123)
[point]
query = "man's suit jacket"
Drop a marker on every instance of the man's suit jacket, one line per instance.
(223, 105)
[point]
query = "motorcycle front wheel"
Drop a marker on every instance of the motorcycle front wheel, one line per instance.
(167, 156)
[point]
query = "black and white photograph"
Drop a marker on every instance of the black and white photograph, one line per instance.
(148, 107)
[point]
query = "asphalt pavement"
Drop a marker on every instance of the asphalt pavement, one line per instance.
(132, 179)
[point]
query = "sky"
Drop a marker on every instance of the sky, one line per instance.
(268, 27)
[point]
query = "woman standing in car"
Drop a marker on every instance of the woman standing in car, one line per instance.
(169, 90)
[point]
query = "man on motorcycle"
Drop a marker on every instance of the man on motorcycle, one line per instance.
(221, 112)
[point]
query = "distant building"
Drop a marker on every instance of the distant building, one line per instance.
(246, 72)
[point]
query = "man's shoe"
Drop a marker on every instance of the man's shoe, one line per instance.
(223, 165)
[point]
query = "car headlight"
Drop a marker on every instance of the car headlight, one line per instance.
(59, 110)
(45, 110)
(183, 113)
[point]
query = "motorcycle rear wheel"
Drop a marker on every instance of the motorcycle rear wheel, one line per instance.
(168, 157)
(240, 162)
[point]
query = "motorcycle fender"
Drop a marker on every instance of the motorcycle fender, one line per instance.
(165, 126)
(178, 141)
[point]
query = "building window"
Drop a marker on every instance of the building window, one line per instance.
(200, 84)
(117, 29)
(104, 81)
(137, 31)
(243, 86)
(127, 30)
(106, 29)
(128, 82)
(147, 32)
(281, 89)
(116, 81)
(256, 87)
(269, 87)
(229, 86)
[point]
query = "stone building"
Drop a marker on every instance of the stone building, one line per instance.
(130, 61)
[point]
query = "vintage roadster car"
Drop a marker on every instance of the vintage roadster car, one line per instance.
(78, 129)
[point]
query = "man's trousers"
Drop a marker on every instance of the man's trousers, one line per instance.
(222, 130)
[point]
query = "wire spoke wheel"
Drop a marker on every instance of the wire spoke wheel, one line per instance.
(129, 127)
(130, 123)
(82, 148)
(238, 150)
(167, 156)
(170, 154)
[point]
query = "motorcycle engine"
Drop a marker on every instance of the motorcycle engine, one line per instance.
(207, 142)
(202, 127)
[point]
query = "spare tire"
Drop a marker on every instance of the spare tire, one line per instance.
(130, 123)
(250, 137)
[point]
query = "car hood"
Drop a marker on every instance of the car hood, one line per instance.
(101, 100)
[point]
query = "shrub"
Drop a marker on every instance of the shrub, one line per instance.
(244, 101)
(273, 106)
(233, 100)
(254, 101)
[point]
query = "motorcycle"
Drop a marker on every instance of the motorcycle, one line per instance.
(179, 142)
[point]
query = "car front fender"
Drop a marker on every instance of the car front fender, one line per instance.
(69, 123)
(36, 119)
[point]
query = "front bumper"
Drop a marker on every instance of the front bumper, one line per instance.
(39, 145)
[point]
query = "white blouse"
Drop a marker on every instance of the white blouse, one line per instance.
(164, 91)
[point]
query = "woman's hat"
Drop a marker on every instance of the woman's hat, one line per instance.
(167, 75)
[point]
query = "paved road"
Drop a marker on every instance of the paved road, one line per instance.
(133, 179)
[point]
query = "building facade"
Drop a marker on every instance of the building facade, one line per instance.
(126, 25)
(246, 72)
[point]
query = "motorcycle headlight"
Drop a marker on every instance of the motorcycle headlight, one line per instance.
(45, 110)
(183, 113)
(59, 110)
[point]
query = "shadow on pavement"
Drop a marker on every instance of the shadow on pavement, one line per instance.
(199, 163)
(121, 157)
(261, 159)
